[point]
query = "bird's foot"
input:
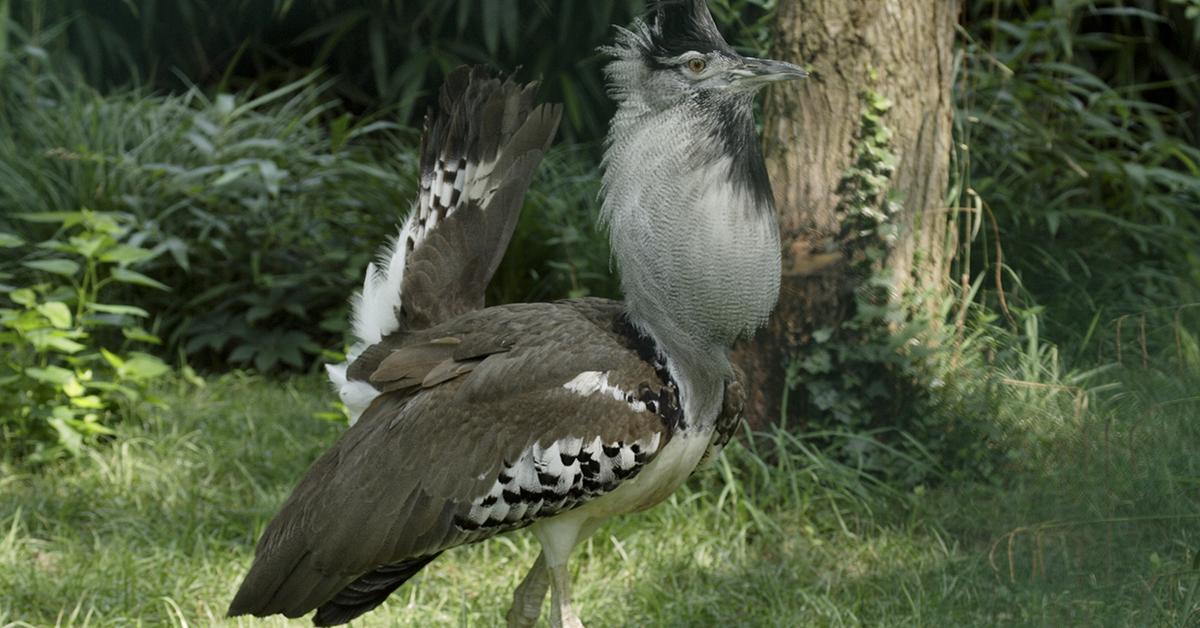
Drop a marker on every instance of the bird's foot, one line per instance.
(564, 617)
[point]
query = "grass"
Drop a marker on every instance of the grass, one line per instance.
(1094, 523)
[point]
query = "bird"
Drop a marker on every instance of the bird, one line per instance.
(470, 421)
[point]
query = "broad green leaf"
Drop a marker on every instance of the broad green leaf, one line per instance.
(126, 254)
(125, 275)
(73, 388)
(23, 296)
(143, 366)
(56, 375)
(190, 376)
(57, 313)
(137, 334)
(91, 424)
(266, 359)
(242, 353)
(91, 402)
(130, 310)
(130, 393)
(179, 251)
(89, 246)
(67, 436)
(63, 344)
(8, 240)
(27, 322)
(64, 267)
(230, 176)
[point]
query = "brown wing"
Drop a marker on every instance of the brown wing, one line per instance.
(494, 420)
(477, 159)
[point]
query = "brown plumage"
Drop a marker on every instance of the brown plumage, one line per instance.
(394, 490)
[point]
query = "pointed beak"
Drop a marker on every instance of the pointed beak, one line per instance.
(758, 72)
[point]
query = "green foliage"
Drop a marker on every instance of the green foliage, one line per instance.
(873, 386)
(384, 54)
(262, 212)
(1083, 163)
(60, 387)
(558, 251)
(1095, 526)
(262, 215)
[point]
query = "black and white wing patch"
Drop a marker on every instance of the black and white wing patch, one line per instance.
(545, 481)
(478, 155)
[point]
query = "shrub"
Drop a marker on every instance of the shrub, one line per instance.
(266, 211)
(60, 384)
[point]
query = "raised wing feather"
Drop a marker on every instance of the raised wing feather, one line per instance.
(478, 155)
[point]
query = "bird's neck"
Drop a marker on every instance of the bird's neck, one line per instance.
(692, 231)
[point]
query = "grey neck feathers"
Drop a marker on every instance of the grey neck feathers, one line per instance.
(693, 234)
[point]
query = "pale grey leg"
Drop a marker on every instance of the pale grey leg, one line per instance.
(561, 615)
(527, 599)
(558, 537)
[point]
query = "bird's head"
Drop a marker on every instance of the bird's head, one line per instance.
(680, 55)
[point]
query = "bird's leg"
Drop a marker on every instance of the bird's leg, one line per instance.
(558, 536)
(561, 615)
(527, 599)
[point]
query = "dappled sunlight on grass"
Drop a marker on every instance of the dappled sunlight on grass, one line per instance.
(1095, 523)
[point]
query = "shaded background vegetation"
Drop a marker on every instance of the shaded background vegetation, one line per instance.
(257, 150)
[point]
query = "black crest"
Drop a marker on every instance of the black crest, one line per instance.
(683, 25)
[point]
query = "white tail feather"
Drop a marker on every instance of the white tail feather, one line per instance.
(375, 308)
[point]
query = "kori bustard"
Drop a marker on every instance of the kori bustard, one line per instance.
(474, 421)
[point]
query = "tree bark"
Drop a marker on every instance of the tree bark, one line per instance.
(902, 50)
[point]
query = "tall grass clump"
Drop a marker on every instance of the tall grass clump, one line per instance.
(1084, 165)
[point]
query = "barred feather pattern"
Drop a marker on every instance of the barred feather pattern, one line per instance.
(477, 158)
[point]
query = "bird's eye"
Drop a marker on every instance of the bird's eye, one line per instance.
(696, 65)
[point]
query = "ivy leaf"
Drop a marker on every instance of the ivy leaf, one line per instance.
(125, 275)
(64, 267)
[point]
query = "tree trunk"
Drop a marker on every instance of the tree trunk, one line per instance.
(901, 50)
